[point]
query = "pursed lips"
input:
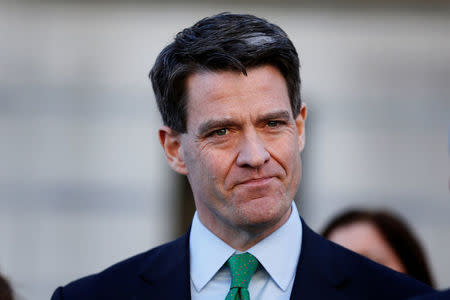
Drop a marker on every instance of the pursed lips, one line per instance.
(256, 181)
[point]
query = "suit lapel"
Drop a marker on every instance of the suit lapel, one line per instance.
(167, 271)
(319, 274)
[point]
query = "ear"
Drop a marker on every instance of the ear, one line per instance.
(300, 123)
(171, 142)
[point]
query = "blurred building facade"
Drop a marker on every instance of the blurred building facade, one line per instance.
(84, 183)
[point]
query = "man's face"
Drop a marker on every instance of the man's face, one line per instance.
(241, 152)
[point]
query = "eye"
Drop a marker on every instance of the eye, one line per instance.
(274, 123)
(220, 132)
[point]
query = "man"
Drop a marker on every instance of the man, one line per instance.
(228, 89)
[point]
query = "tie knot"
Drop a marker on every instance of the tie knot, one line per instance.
(242, 267)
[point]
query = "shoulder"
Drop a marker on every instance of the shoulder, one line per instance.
(442, 295)
(373, 275)
(124, 278)
(370, 280)
(354, 275)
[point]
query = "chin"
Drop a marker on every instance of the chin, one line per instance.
(262, 212)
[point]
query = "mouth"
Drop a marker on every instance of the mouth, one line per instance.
(256, 181)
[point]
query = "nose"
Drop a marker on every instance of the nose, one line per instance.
(252, 151)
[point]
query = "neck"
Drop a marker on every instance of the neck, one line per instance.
(242, 237)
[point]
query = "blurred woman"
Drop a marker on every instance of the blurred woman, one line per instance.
(381, 237)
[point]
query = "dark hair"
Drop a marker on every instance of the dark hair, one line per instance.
(5, 290)
(396, 232)
(221, 42)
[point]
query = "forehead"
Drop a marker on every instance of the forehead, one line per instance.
(230, 90)
(359, 235)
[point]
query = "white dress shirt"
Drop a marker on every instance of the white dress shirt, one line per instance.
(277, 254)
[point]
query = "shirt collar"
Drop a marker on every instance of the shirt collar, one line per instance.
(207, 253)
(278, 253)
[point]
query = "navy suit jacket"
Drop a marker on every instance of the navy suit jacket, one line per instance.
(442, 295)
(325, 271)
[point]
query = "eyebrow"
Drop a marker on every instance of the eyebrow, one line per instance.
(281, 115)
(209, 125)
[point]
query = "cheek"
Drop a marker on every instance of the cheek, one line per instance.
(220, 166)
(290, 161)
(287, 154)
(208, 165)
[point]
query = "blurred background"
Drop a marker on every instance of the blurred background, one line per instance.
(84, 183)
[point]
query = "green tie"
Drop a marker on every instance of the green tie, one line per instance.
(242, 267)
